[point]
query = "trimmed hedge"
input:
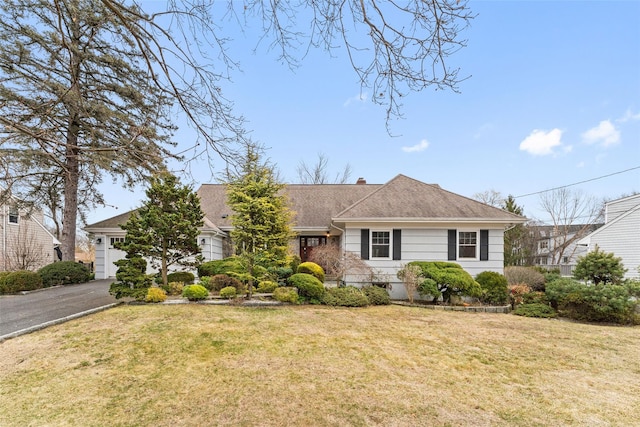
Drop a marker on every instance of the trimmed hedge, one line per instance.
(181, 276)
(173, 288)
(494, 288)
(594, 303)
(535, 310)
(221, 266)
(266, 287)
(286, 294)
(229, 292)
(156, 295)
(63, 273)
(21, 280)
(220, 281)
(348, 296)
(312, 268)
(195, 292)
(308, 286)
(377, 295)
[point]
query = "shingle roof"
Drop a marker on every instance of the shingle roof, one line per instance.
(315, 206)
(405, 198)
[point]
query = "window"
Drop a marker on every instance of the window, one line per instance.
(116, 239)
(13, 215)
(380, 242)
(467, 244)
(565, 260)
(544, 244)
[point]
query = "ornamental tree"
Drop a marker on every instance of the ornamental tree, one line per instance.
(165, 229)
(599, 267)
(261, 218)
(445, 279)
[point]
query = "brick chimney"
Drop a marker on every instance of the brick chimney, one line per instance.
(361, 181)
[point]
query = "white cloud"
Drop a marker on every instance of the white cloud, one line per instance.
(541, 143)
(604, 134)
(361, 97)
(628, 117)
(423, 145)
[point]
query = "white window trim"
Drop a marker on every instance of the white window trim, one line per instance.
(16, 214)
(477, 253)
(383, 230)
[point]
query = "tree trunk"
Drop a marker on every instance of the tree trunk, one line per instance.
(70, 213)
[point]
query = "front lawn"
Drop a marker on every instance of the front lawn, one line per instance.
(205, 365)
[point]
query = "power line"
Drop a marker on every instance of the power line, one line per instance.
(576, 183)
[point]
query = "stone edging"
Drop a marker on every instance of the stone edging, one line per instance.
(505, 309)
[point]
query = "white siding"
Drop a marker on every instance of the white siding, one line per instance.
(616, 208)
(623, 239)
(424, 244)
(26, 239)
(100, 265)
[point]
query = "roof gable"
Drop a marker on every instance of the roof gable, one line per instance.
(405, 198)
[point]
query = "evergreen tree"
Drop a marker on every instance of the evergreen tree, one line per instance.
(261, 218)
(600, 267)
(165, 229)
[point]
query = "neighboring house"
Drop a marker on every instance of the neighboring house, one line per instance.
(25, 243)
(620, 233)
(388, 225)
(557, 246)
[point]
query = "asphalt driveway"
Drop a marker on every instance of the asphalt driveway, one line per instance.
(21, 314)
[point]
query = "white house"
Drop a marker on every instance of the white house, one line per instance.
(620, 234)
(388, 225)
(25, 243)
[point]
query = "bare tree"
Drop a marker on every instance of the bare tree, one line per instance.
(88, 88)
(492, 198)
(573, 216)
(24, 252)
(318, 173)
(339, 263)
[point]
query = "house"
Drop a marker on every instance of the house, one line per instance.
(388, 225)
(620, 233)
(557, 245)
(25, 243)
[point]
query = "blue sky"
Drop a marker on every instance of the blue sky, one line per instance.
(553, 98)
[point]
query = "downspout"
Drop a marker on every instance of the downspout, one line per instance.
(342, 241)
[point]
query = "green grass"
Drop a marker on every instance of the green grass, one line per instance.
(194, 365)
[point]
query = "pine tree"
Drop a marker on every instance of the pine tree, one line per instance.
(165, 229)
(261, 218)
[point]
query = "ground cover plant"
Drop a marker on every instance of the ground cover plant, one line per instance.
(194, 365)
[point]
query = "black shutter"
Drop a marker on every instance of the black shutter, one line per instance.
(451, 246)
(397, 244)
(364, 243)
(484, 245)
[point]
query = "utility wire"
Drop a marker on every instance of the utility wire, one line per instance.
(576, 183)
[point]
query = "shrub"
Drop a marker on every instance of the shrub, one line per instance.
(173, 288)
(220, 281)
(411, 276)
(445, 279)
(348, 296)
(594, 303)
(21, 280)
(132, 280)
(494, 287)
(267, 286)
(229, 292)
(286, 294)
(205, 281)
(308, 286)
(280, 274)
(517, 293)
(220, 266)
(313, 269)
(535, 310)
(3, 274)
(376, 295)
(181, 276)
(156, 295)
(63, 273)
(525, 276)
(535, 298)
(195, 292)
(599, 267)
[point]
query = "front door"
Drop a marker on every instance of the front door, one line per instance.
(307, 243)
